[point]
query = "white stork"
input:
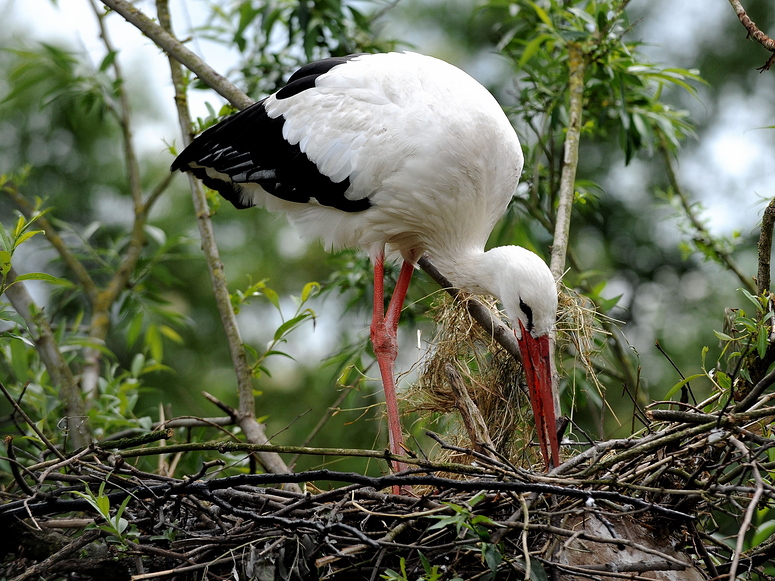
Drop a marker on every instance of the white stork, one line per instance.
(394, 153)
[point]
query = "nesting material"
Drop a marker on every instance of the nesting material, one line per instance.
(491, 394)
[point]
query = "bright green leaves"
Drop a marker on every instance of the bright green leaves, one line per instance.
(11, 240)
(622, 93)
(115, 525)
(301, 314)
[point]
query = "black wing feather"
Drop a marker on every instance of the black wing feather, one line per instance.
(249, 148)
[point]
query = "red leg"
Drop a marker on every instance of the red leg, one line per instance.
(383, 338)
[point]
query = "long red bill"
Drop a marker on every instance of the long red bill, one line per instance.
(537, 363)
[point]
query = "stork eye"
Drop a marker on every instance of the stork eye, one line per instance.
(528, 313)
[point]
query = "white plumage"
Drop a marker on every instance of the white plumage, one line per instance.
(398, 153)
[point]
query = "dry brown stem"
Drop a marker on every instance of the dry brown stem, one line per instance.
(246, 412)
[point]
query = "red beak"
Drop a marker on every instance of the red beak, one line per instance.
(537, 363)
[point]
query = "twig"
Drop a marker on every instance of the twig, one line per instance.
(17, 467)
(254, 432)
(472, 418)
(702, 233)
(207, 488)
(19, 410)
(749, 400)
(319, 426)
(747, 519)
(576, 66)
(41, 568)
(755, 33)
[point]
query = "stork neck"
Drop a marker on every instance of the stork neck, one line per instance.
(472, 270)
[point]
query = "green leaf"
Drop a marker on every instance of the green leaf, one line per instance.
(680, 384)
(138, 362)
(171, 334)
(135, 328)
(761, 342)
(5, 262)
(154, 343)
(108, 61)
(36, 276)
(22, 238)
(763, 532)
(541, 13)
(310, 289)
(532, 48)
(273, 297)
(290, 324)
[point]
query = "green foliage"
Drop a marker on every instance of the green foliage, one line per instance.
(115, 525)
(301, 314)
(275, 38)
(61, 76)
(432, 572)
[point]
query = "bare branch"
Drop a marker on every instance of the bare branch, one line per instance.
(755, 33)
(489, 321)
(576, 67)
(183, 55)
(702, 233)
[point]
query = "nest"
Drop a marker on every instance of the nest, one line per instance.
(679, 500)
(475, 390)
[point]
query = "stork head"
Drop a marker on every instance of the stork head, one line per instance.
(526, 287)
(528, 292)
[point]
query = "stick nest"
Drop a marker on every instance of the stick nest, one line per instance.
(683, 497)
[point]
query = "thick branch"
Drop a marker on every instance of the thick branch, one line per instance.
(765, 249)
(755, 33)
(254, 432)
(576, 67)
(52, 358)
(183, 55)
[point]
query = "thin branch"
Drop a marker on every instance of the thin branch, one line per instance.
(472, 418)
(100, 320)
(702, 233)
(755, 392)
(576, 66)
(755, 33)
(765, 249)
(747, 519)
(19, 410)
(246, 413)
(173, 47)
